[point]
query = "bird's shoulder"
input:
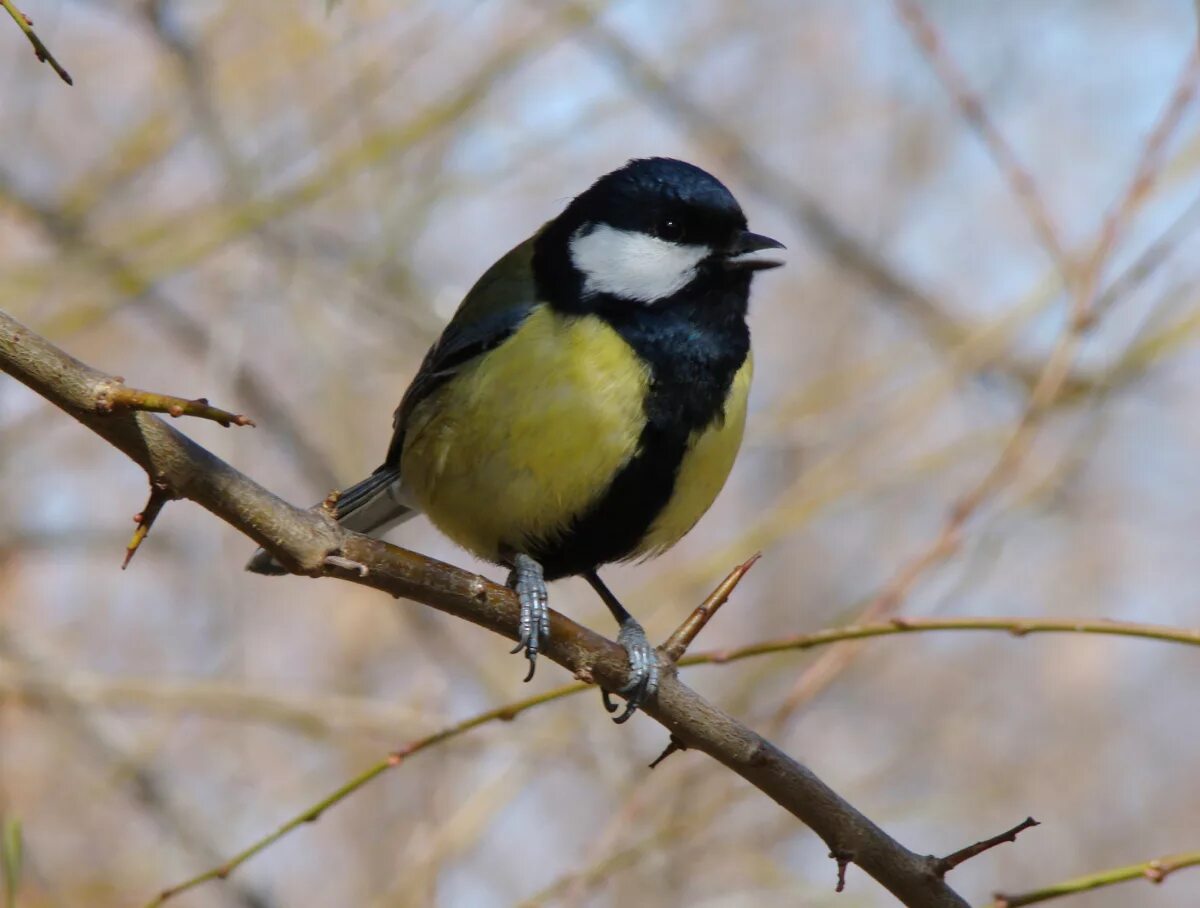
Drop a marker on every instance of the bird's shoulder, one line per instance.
(490, 312)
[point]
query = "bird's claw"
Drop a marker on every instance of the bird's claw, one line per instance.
(643, 671)
(527, 580)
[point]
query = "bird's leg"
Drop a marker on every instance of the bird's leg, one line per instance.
(643, 657)
(527, 581)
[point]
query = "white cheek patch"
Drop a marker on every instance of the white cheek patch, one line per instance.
(631, 265)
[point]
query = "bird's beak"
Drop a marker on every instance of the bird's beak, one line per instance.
(741, 253)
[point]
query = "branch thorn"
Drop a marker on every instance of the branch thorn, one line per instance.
(675, 744)
(159, 496)
(843, 859)
(677, 644)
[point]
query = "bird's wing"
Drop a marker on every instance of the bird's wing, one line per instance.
(491, 311)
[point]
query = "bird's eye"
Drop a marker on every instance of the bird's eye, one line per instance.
(670, 229)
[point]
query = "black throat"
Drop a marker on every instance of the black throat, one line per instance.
(693, 344)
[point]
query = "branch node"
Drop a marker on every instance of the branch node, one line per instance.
(756, 753)
(478, 589)
(160, 494)
(675, 744)
(676, 645)
(942, 866)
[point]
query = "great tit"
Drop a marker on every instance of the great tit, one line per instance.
(586, 402)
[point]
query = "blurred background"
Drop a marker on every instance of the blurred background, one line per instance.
(278, 204)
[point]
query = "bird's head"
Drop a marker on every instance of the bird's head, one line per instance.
(645, 233)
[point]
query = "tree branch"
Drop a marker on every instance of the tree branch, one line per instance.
(302, 540)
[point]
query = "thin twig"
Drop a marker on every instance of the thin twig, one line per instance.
(312, 716)
(1154, 871)
(1145, 175)
(1149, 259)
(1017, 627)
(40, 50)
(950, 861)
(112, 397)
(676, 645)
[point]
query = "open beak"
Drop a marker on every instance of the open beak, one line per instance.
(742, 253)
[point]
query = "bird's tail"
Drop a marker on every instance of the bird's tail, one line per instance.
(372, 506)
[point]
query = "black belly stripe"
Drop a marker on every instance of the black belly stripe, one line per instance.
(616, 523)
(694, 347)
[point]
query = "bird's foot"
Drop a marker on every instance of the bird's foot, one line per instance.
(527, 581)
(643, 671)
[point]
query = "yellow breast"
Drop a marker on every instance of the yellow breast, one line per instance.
(706, 464)
(523, 439)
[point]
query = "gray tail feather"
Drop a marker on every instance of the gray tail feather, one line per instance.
(372, 506)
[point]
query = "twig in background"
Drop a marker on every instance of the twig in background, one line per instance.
(505, 713)
(974, 113)
(1050, 383)
(1017, 627)
(326, 715)
(127, 772)
(1154, 871)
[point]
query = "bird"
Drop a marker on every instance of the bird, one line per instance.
(586, 402)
